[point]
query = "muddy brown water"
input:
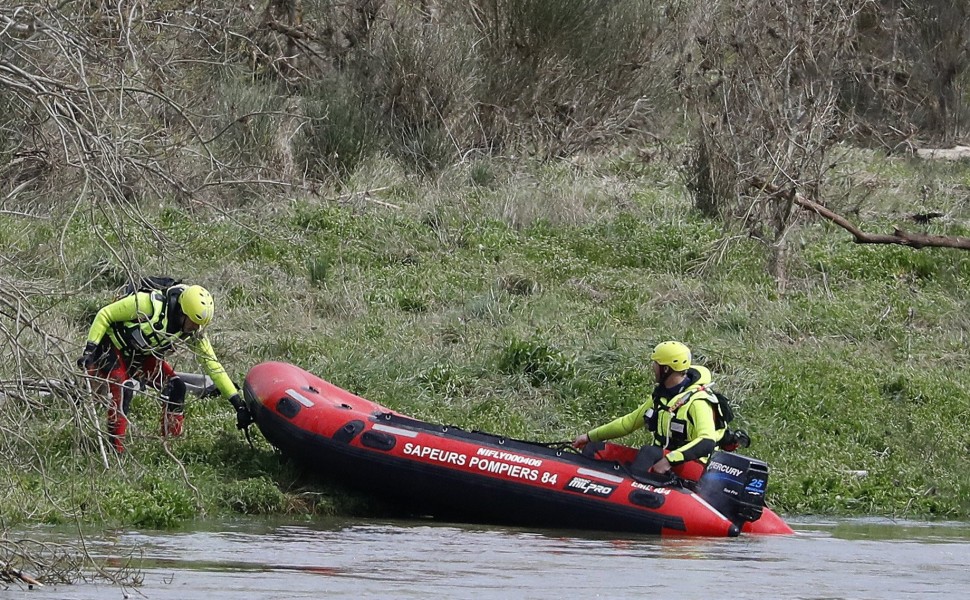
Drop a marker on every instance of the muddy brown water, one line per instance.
(825, 559)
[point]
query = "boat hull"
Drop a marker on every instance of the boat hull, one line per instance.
(469, 476)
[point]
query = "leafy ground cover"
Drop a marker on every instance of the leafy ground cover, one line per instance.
(523, 299)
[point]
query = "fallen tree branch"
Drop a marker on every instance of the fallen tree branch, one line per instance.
(899, 236)
(12, 574)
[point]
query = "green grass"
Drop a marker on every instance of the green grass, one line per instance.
(521, 299)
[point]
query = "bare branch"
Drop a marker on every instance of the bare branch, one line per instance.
(899, 236)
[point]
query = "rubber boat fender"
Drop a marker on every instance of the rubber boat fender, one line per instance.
(288, 407)
(647, 499)
(378, 440)
(348, 432)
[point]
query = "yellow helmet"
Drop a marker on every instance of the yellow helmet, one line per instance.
(196, 303)
(672, 354)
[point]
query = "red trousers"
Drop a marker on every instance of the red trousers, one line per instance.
(123, 381)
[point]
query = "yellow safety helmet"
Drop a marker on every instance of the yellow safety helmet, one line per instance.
(672, 354)
(196, 304)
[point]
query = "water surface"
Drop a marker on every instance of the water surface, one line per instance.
(853, 559)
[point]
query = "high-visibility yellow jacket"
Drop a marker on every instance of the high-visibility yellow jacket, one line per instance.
(683, 422)
(138, 325)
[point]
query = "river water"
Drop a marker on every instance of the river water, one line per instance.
(824, 560)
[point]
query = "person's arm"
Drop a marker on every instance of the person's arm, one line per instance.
(214, 369)
(622, 426)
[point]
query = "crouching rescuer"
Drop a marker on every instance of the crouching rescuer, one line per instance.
(127, 345)
(688, 420)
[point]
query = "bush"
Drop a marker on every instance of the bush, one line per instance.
(338, 133)
(250, 138)
(254, 496)
(538, 361)
(151, 502)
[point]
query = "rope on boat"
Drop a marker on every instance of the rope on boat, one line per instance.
(673, 480)
(564, 445)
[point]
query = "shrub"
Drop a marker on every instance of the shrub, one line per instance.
(151, 502)
(538, 361)
(338, 131)
(253, 496)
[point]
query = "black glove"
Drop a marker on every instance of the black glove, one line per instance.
(733, 440)
(243, 416)
(743, 440)
(88, 356)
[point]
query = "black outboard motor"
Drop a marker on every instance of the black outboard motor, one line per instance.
(735, 485)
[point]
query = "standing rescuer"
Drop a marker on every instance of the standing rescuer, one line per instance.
(682, 414)
(127, 343)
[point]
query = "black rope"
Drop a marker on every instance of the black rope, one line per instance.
(564, 445)
(671, 479)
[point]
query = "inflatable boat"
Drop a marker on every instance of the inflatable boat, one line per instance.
(471, 476)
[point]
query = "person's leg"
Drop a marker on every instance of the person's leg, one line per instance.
(647, 456)
(121, 391)
(691, 470)
(173, 407)
(172, 396)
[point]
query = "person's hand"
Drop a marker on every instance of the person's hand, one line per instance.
(243, 416)
(661, 467)
(581, 440)
(744, 440)
(86, 361)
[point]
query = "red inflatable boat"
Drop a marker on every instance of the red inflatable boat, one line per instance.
(472, 476)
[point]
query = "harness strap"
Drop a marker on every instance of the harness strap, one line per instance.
(672, 409)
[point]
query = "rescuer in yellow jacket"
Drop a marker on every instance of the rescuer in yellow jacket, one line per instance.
(682, 415)
(128, 341)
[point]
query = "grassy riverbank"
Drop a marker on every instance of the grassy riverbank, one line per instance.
(519, 298)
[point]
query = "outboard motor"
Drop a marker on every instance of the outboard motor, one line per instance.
(735, 485)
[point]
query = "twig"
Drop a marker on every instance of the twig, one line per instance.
(16, 213)
(365, 195)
